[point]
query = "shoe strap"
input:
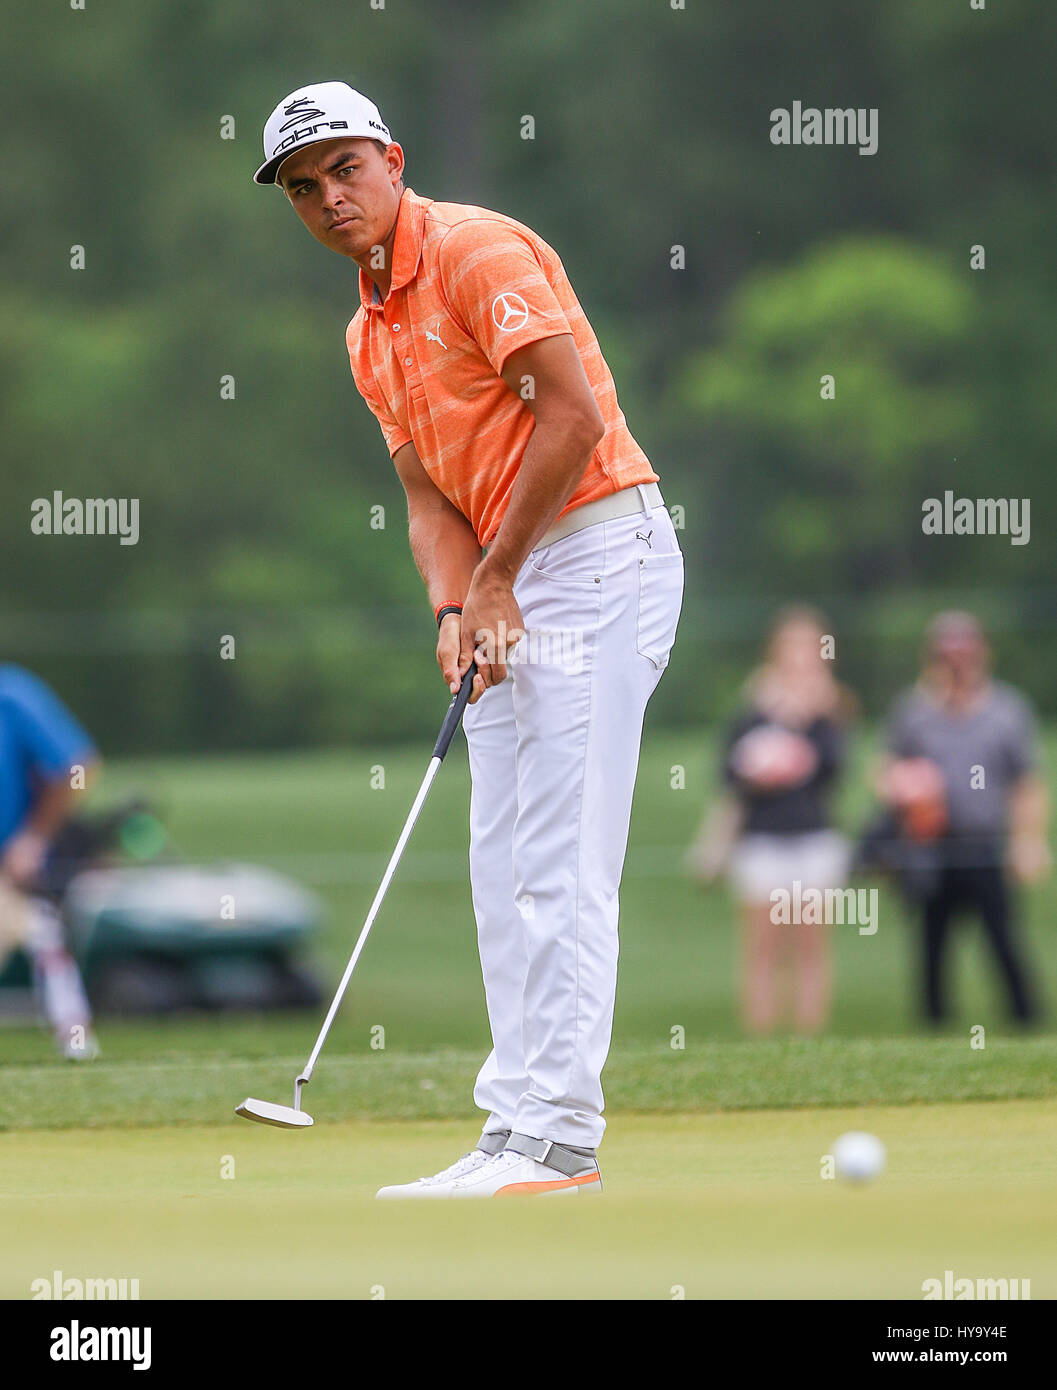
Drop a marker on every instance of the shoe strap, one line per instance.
(551, 1155)
(493, 1141)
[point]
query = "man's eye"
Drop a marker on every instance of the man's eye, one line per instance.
(349, 168)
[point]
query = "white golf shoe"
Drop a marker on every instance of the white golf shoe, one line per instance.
(440, 1184)
(534, 1168)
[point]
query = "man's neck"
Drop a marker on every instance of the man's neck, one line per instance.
(381, 275)
(960, 696)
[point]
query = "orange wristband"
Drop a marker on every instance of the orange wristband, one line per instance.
(443, 609)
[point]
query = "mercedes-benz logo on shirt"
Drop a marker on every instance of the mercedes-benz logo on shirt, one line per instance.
(509, 312)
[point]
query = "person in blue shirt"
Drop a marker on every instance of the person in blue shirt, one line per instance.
(46, 760)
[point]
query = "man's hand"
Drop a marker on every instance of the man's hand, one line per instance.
(1029, 851)
(1029, 857)
(24, 858)
(449, 644)
(491, 625)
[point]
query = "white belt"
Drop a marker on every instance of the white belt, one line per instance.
(640, 497)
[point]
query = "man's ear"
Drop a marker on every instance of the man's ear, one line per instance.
(392, 166)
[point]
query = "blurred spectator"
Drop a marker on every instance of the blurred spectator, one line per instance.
(962, 778)
(40, 745)
(782, 757)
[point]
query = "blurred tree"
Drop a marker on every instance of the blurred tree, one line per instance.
(836, 385)
(651, 131)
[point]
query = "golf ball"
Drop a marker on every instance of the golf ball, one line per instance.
(859, 1156)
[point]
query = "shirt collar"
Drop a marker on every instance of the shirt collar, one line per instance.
(407, 247)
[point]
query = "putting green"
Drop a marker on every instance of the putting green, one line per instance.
(717, 1206)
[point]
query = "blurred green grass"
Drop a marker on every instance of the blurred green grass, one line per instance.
(179, 1077)
(315, 815)
(706, 1206)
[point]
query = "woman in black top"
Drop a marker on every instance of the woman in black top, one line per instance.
(781, 760)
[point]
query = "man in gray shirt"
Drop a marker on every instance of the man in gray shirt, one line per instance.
(980, 736)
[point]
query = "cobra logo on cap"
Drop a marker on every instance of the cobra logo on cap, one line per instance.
(302, 110)
(296, 110)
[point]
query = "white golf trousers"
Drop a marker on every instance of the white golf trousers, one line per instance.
(553, 755)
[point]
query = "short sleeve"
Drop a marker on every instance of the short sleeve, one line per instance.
(899, 740)
(828, 738)
(50, 737)
(1022, 742)
(393, 433)
(735, 732)
(495, 282)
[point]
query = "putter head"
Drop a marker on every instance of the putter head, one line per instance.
(266, 1112)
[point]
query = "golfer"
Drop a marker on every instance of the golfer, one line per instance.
(550, 561)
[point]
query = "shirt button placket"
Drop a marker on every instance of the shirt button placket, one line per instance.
(396, 328)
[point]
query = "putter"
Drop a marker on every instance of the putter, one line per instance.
(266, 1112)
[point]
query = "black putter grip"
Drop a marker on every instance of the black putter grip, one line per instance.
(454, 715)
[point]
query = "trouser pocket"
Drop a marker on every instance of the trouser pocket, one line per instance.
(660, 600)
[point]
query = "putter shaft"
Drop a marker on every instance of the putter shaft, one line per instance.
(447, 732)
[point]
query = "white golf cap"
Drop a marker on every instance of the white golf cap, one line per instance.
(324, 111)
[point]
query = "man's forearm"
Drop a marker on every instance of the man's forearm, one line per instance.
(53, 806)
(27, 849)
(1029, 807)
(446, 551)
(1029, 852)
(554, 462)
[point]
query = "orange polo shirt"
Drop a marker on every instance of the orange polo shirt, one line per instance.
(469, 287)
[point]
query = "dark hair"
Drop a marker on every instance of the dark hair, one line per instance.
(795, 614)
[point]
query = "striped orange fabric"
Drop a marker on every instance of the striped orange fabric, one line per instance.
(469, 287)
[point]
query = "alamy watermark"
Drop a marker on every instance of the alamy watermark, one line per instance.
(977, 516)
(77, 1343)
(807, 125)
(58, 1286)
(515, 646)
(86, 516)
(825, 907)
(951, 1288)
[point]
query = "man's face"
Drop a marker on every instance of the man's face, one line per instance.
(796, 648)
(964, 653)
(345, 192)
